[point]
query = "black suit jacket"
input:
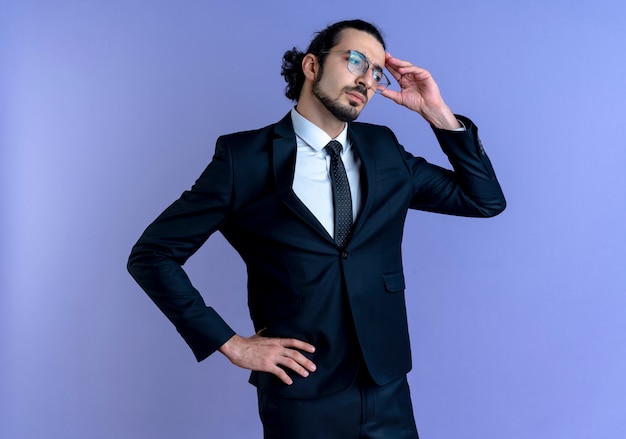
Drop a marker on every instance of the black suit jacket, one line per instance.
(349, 303)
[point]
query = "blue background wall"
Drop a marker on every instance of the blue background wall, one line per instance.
(109, 110)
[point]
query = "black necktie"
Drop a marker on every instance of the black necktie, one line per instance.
(342, 199)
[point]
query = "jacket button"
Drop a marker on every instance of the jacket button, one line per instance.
(344, 255)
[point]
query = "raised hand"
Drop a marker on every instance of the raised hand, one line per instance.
(419, 92)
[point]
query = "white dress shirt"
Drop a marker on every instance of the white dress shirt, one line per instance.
(311, 181)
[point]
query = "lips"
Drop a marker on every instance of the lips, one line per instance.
(358, 96)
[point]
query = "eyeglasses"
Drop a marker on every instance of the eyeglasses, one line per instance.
(358, 65)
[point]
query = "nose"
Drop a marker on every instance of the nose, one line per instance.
(366, 79)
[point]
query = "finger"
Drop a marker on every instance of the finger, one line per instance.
(293, 365)
(396, 62)
(394, 95)
(282, 375)
(390, 65)
(414, 71)
(299, 359)
(394, 72)
(399, 71)
(297, 344)
(392, 69)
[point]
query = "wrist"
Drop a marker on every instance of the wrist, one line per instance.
(441, 117)
(229, 348)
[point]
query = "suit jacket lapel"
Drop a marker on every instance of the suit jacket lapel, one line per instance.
(368, 170)
(284, 160)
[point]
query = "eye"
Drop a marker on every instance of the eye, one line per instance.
(356, 60)
(377, 74)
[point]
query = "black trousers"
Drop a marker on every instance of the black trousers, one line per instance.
(362, 411)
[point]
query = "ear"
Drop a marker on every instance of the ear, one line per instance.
(310, 66)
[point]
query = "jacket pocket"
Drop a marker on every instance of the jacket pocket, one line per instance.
(394, 282)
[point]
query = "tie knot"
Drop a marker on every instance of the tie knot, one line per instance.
(334, 148)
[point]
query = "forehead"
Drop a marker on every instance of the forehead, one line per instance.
(368, 45)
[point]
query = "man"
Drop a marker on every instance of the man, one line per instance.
(320, 231)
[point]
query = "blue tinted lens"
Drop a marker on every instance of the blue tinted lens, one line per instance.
(357, 63)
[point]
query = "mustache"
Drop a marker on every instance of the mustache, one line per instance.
(360, 89)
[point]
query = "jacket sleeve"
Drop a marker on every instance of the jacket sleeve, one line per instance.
(471, 189)
(156, 259)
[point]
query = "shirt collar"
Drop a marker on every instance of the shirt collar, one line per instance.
(313, 135)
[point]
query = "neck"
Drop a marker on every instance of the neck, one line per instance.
(315, 112)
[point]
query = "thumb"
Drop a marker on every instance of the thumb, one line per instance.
(395, 96)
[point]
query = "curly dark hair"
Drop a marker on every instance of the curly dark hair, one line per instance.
(324, 40)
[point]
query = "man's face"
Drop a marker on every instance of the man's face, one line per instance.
(343, 93)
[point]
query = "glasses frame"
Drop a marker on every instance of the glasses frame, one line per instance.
(380, 85)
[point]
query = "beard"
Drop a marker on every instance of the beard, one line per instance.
(345, 113)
